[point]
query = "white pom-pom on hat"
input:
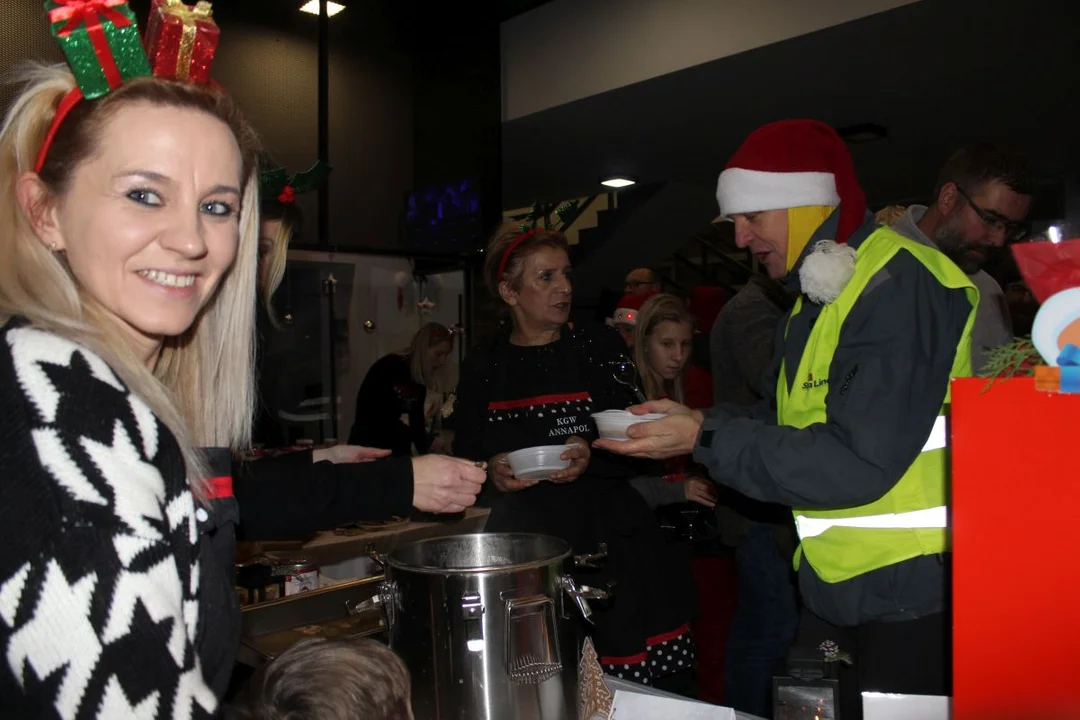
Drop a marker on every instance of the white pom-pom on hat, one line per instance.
(826, 270)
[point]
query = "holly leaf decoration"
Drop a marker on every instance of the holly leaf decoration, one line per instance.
(312, 178)
(273, 182)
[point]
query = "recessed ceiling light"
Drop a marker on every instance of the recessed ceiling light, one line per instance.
(618, 182)
(312, 6)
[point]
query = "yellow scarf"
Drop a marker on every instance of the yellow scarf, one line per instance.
(802, 223)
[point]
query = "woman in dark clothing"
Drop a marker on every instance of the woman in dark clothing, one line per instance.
(537, 383)
(340, 484)
(396, 387)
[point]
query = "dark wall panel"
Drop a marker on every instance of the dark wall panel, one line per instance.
(268, 61)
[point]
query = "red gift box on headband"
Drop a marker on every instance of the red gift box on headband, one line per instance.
(181, 40)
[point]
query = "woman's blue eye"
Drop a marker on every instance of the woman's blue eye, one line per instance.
(145, 197)
(218, 208)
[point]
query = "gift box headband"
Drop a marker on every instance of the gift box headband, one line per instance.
(100, 39)
(277, 183)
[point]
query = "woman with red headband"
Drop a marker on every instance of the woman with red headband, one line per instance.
(126, 302)
(537, 383)
(129, 230)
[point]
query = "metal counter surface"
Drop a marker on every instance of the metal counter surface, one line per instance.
(331, 547)
(345, 608)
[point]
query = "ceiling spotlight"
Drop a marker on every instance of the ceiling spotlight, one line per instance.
(312, 6)
(617, 181)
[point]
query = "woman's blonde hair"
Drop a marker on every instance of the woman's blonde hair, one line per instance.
(201, 387)
(427, 337)
(276, 258)
(664, 307)
(277, 255)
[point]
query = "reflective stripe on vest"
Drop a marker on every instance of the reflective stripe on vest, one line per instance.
(939, 435)
(935, 517)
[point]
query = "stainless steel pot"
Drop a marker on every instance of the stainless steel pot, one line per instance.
(485, 625)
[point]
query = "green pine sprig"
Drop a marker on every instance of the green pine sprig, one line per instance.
(1016, 359)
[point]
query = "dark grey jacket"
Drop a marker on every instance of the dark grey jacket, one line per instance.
(887, 381)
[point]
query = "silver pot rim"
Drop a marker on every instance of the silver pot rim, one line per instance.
(393, 562)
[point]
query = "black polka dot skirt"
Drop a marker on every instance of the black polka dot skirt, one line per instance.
(665, 655)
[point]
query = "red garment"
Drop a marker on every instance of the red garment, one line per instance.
(716, 579)
(715, 576)
(705, 304)
(697, 388)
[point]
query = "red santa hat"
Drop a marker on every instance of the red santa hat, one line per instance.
(799, 163)
(628, 309)
(793, 163)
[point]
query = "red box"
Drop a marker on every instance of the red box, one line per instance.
(182, 40)
(1016, 586)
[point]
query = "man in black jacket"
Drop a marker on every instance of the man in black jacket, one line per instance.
(856, 445)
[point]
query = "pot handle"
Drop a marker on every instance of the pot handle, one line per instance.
(590, 560)
(584, 593)
(375, 555)
(532, 641)
(382, 599)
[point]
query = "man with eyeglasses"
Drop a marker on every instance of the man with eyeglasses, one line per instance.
(980, 205)
(642, 281)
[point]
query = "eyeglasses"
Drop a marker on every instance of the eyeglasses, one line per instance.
(635, 284)
(1012, 230)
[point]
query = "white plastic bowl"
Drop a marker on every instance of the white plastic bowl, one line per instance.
(538, 463)
(613, 424)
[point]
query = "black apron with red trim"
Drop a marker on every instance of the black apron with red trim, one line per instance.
(217, 634)
(544, 396)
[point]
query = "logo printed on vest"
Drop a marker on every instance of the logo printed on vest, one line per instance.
(811, 383)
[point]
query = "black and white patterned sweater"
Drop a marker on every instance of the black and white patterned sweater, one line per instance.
(100, 592)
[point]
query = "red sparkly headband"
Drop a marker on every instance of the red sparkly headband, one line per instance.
(510, 250)
(100, 39)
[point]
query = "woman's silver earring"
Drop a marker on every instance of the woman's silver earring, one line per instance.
(52, 246)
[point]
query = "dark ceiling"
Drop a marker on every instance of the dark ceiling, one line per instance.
(513, 8)
(938, 74)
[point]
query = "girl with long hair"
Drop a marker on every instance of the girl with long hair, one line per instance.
(663, 343)
(391, 407)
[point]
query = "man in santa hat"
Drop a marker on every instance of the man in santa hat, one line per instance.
(625, 317)
(852, 434)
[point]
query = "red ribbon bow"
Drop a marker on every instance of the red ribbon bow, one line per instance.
(77, 12)
(287, 196)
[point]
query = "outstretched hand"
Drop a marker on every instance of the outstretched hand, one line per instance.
(657, 440)
(349, 454)
(665, 407)
(443, 484)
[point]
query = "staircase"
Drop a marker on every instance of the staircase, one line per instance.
(666, 226)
